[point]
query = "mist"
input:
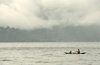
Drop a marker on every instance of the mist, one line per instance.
(33, 14)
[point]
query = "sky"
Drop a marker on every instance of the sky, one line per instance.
(33, 14)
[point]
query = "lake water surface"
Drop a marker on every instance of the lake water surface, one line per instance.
(49, 53)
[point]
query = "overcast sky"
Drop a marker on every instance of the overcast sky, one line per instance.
(32, 14)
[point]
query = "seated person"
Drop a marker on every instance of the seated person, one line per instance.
(70, 52)
(78, 51)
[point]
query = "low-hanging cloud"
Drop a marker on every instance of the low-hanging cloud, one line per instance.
(32, 14)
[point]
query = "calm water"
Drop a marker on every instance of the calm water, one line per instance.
(49, 54)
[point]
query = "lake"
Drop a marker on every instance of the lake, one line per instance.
(49, 53)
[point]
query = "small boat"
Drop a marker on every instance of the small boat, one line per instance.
(75, 53)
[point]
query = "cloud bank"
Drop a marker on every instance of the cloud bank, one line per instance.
(32, 14)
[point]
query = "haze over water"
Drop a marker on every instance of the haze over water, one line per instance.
(55, 27)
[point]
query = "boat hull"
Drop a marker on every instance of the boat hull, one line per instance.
(74, 53)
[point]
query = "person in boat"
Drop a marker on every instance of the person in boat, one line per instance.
(70, 52)
(78, 51)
